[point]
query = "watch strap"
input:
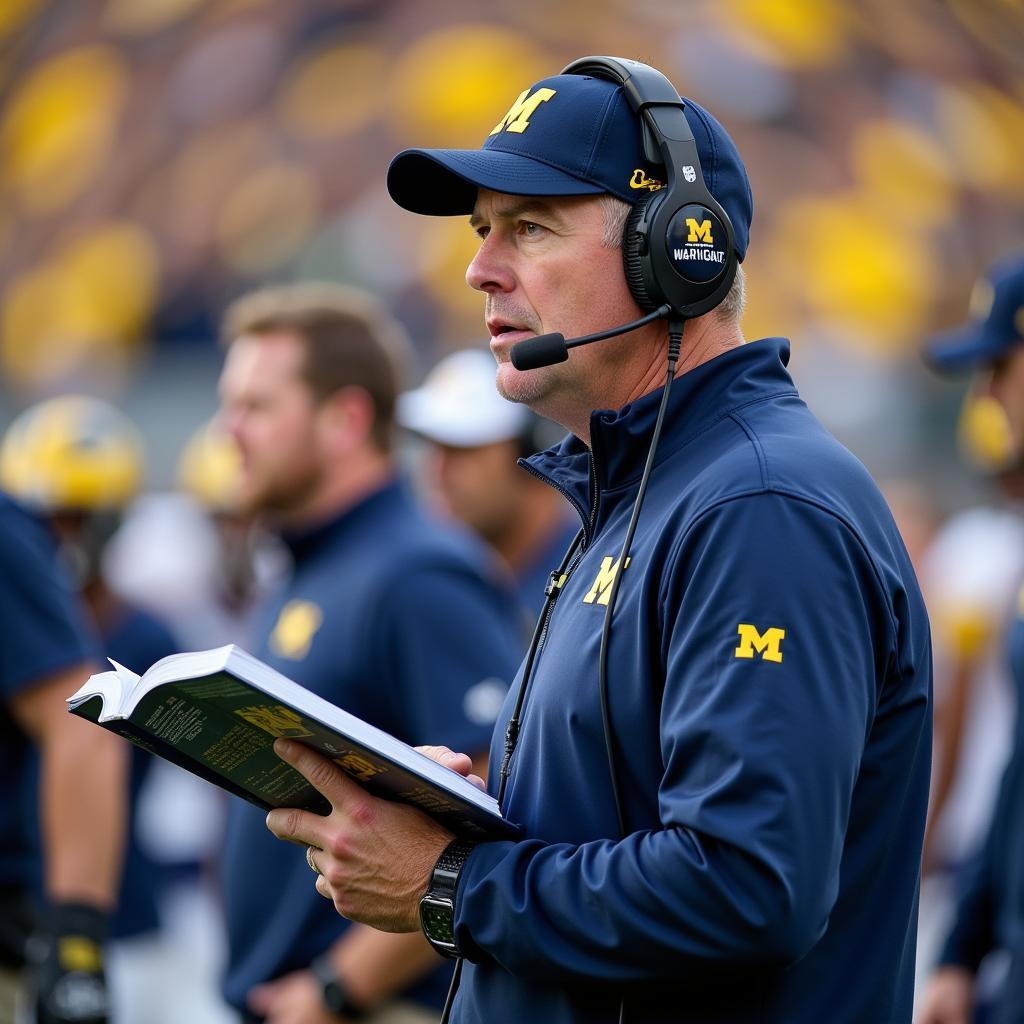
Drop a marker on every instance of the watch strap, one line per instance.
(437, 908)
(445, 877)
(335, 997)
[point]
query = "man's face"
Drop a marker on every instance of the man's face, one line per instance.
(479, 486)
(543, 267)
(270, 412)
(1005, 383)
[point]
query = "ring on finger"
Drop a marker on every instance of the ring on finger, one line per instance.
(310, 861)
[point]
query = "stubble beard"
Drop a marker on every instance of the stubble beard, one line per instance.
(526, 387)
(280, 496)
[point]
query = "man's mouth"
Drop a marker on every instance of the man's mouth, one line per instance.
(504, 336)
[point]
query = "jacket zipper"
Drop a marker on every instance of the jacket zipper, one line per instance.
(553, 589)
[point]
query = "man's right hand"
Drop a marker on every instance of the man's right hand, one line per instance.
(948, 998)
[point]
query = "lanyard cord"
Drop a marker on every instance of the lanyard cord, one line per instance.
(675, 335)
(675, 341)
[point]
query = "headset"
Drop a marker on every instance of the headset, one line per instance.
(674, 220)
(678, 245)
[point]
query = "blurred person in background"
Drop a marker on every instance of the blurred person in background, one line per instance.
(79, 463)
(248, 560)
(971, 573)
(385, 612)
(989, 914)
(195, 558)
(476, 438)
(62, 792)
(193, 555)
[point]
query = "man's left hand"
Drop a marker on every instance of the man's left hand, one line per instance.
(294, 999)
(374, 856)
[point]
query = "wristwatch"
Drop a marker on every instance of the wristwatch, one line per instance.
(437, 907)
(333, 993)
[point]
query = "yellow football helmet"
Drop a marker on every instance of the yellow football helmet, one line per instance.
(72, 453)
(210, 468)
(984, 432)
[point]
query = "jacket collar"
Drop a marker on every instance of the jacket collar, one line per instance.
(620, 438)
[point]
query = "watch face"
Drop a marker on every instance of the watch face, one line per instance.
(334, 997)
(437, 917)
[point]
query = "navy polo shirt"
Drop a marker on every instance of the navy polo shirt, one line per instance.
(769, 680)
(397, 619)
(43, 633)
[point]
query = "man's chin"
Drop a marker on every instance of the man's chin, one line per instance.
(272, 506)
(523, 386)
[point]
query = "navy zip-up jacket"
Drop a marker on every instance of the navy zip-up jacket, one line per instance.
(769, 681)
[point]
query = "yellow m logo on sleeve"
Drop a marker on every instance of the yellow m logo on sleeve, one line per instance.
(601, 591)
(518, 117)
(766, 644)
(699, 231)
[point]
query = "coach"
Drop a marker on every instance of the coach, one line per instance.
(751, 853)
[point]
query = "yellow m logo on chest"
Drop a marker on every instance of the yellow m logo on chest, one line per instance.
(601, 590)
(296, 626)
(766, 644)
(518, 117)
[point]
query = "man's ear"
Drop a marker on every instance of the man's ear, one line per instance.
(346, 420)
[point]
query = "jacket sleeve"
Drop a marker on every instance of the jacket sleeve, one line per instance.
(45, 629)
(973, 934)
(774, 631)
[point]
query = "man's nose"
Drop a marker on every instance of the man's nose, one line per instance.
(489, 270)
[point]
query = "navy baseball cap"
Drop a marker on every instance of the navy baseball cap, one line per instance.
(997, 322)
(568, 135)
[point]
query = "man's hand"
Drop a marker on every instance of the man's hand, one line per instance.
(374, 856)
(949, 997)
(292, 999)
(66, 974)
(461, 763)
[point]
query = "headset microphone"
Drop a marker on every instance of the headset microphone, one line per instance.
(548, 349)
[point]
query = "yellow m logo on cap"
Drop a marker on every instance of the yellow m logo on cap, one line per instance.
(766, 644)
(518, 117)
(700, 231)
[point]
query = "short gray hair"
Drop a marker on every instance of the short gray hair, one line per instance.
(616, 211)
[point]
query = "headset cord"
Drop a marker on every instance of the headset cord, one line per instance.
(452, 989)
(512, 730)
(675, 342)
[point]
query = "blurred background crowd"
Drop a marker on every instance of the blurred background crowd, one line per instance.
(157, 157)
(160, 157)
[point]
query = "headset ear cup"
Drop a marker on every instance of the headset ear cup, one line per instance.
(633, 258)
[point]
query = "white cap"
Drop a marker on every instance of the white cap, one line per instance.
(457, 405)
